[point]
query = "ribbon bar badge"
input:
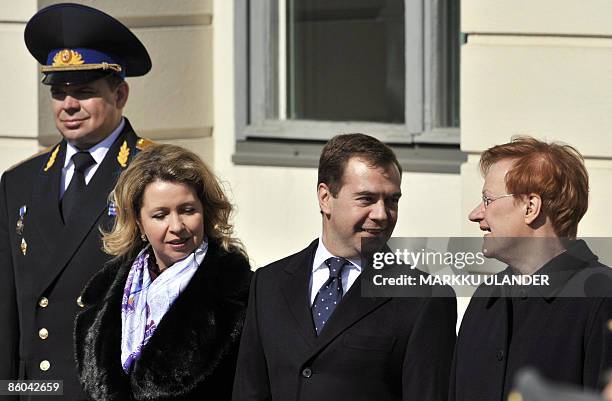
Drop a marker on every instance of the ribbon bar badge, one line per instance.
(22, 212)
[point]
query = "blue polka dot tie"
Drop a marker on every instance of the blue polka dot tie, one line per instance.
(329, 295)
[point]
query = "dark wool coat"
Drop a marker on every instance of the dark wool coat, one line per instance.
(191, 355)
(564, 338)
(40, 282)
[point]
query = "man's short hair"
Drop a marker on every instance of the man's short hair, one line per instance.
(113, 81)
(555, 171)
(341, 148)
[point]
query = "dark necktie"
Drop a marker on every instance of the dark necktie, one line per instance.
(81, 160)
(330, 294)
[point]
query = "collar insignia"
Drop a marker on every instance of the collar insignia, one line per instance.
(52, 158)
(124, 153)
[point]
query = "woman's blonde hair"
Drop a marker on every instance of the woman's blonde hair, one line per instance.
(172, 164)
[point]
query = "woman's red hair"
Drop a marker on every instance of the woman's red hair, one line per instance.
(554, 171)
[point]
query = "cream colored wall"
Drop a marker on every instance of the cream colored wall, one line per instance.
(542, 68)
(18, 125)
(554, 17)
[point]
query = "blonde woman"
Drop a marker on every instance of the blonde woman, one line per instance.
(163, 319)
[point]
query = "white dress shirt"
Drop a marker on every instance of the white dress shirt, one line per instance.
(320, 271)
(98, 151)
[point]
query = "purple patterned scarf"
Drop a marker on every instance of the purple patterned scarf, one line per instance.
(146, 301)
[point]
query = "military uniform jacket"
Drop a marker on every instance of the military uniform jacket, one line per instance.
(564, 338)
(370, 349)
(45, 264)
(192, 353)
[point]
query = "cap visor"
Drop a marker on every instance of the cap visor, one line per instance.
(73, 77)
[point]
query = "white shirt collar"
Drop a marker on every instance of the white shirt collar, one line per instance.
(322, 254)
(99, 150)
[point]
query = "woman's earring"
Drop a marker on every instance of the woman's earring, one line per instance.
(143, 237)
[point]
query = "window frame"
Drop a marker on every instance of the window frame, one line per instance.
(256, 54)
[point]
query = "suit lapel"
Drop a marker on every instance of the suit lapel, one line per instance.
(45, 213)
(294, 286)
(92, 204)
(352, 308)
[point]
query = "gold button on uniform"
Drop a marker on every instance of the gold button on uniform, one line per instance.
(43, 302)
(610, 324)
(80, 302)
(45, 365)
(43, 333)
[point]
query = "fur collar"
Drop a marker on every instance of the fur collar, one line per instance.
(193, 349)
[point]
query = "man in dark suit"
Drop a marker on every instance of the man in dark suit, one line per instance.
(310, 335)
(53, 205)
(533, 197)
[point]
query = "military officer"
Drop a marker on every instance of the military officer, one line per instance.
(53, 205)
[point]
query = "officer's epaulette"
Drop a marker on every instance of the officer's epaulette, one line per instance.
(124, 151)
(144, 143)
(50, 161)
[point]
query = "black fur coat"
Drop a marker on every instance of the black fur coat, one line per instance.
(191, 355)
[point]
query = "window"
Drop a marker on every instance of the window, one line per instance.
(309, 69)
(345, 60)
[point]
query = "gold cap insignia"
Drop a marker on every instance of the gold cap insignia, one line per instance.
(67, 57)
(124, 153)
(51, 160)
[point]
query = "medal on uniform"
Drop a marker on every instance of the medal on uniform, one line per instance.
(23, 246)
(22, 212)
(19, 227)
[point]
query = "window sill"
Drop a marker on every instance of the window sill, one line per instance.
(445, 159)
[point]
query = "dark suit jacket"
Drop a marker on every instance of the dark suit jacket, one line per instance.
(191, 355)
(370, 349)
(58, 262)
(563, 338)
